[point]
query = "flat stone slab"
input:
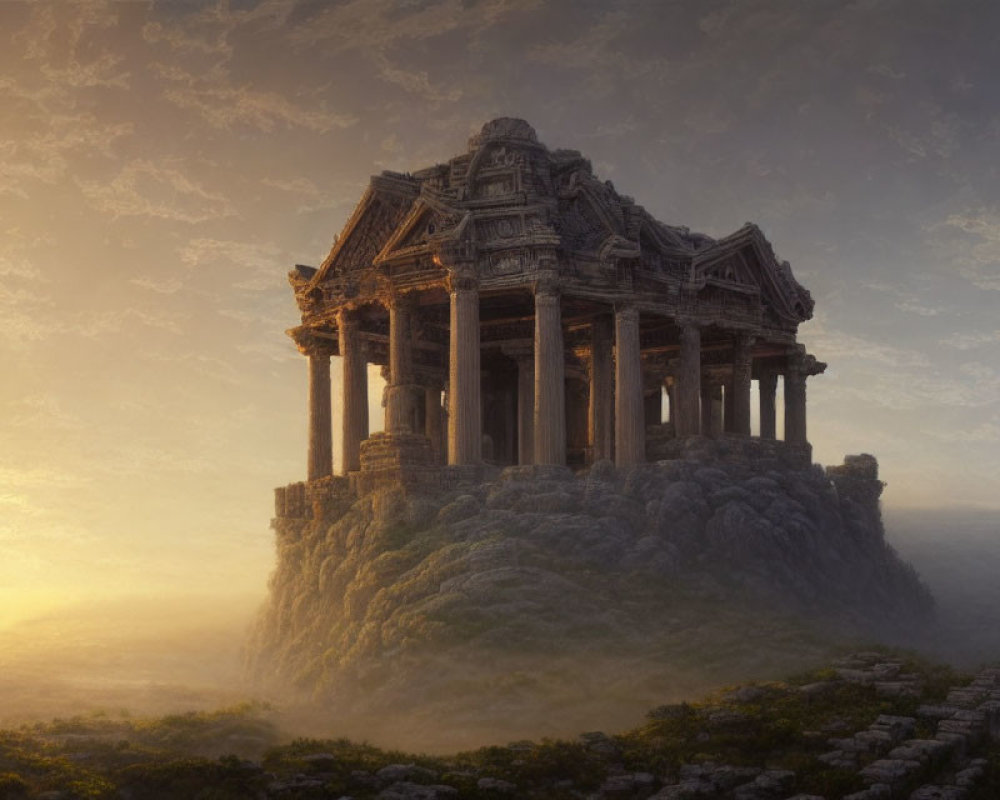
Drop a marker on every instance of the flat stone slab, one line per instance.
(889, 770)
(931, 792)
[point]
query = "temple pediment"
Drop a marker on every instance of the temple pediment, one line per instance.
(745, 261)
(383, 207)
(429, 221)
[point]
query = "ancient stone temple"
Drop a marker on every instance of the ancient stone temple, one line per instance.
(526, 313)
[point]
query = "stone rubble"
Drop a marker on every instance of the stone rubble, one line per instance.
(886, 756)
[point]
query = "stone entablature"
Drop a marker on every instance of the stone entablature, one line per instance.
(525, 312)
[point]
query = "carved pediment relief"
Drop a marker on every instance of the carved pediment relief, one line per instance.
(426, 223)
(731, 270)
(382, 208)
(495, 183)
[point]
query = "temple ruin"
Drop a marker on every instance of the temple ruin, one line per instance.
(526, 313)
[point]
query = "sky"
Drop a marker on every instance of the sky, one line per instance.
(164, 164)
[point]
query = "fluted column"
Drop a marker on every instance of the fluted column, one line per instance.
(550, 387)
(688, 385)
(600, 409)
(740, 385)
(320, 414)
(355, 392)
(768, 384)
(465, 426)
(525, 409)
(795, 402)
(630, 422)
(400, 405)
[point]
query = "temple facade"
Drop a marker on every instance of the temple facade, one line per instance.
(525, 313)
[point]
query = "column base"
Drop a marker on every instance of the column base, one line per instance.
(391, 460)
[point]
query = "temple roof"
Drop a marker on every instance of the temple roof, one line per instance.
(517, 205)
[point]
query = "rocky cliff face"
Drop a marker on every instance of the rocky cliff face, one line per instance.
(500, 604)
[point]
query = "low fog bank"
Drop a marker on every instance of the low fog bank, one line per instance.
(135, 655)
(956, 551)
(148, 656)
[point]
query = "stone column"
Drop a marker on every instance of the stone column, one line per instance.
(465, 420)
(526, 409)
(550, 368)
(601, 403)
(355, 389)
(740, 385)
(688, 385)
(768, 384)
(630, 422)
(400, 407)
(320, 413)
(433, 419)
(795, 402)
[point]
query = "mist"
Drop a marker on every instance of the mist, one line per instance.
(165, 654)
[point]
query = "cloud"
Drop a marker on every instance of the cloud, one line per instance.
(208, 30)
(170, 286)
(416, 82)
(313, 198)
(25, 313)
(41, 412)
(974, 386)
(44, 155)
(93, 324)
(145, 189)
(970, 341)
(57, 37)
(978, 254)
(987, 432)
(840, 346)
(378, 25)
(201, 40)
(905, 300)
(249, 266)
(227, 107)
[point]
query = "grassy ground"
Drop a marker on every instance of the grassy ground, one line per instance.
(239, 752)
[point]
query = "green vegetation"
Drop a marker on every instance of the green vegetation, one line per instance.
(236, 752)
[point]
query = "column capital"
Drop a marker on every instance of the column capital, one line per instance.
(803, 365)
(546, 286)
(347, 318)
(462, 278)
(399, 299)
(311, 342)
(455, 256)
(690, 323)
(626, 312)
